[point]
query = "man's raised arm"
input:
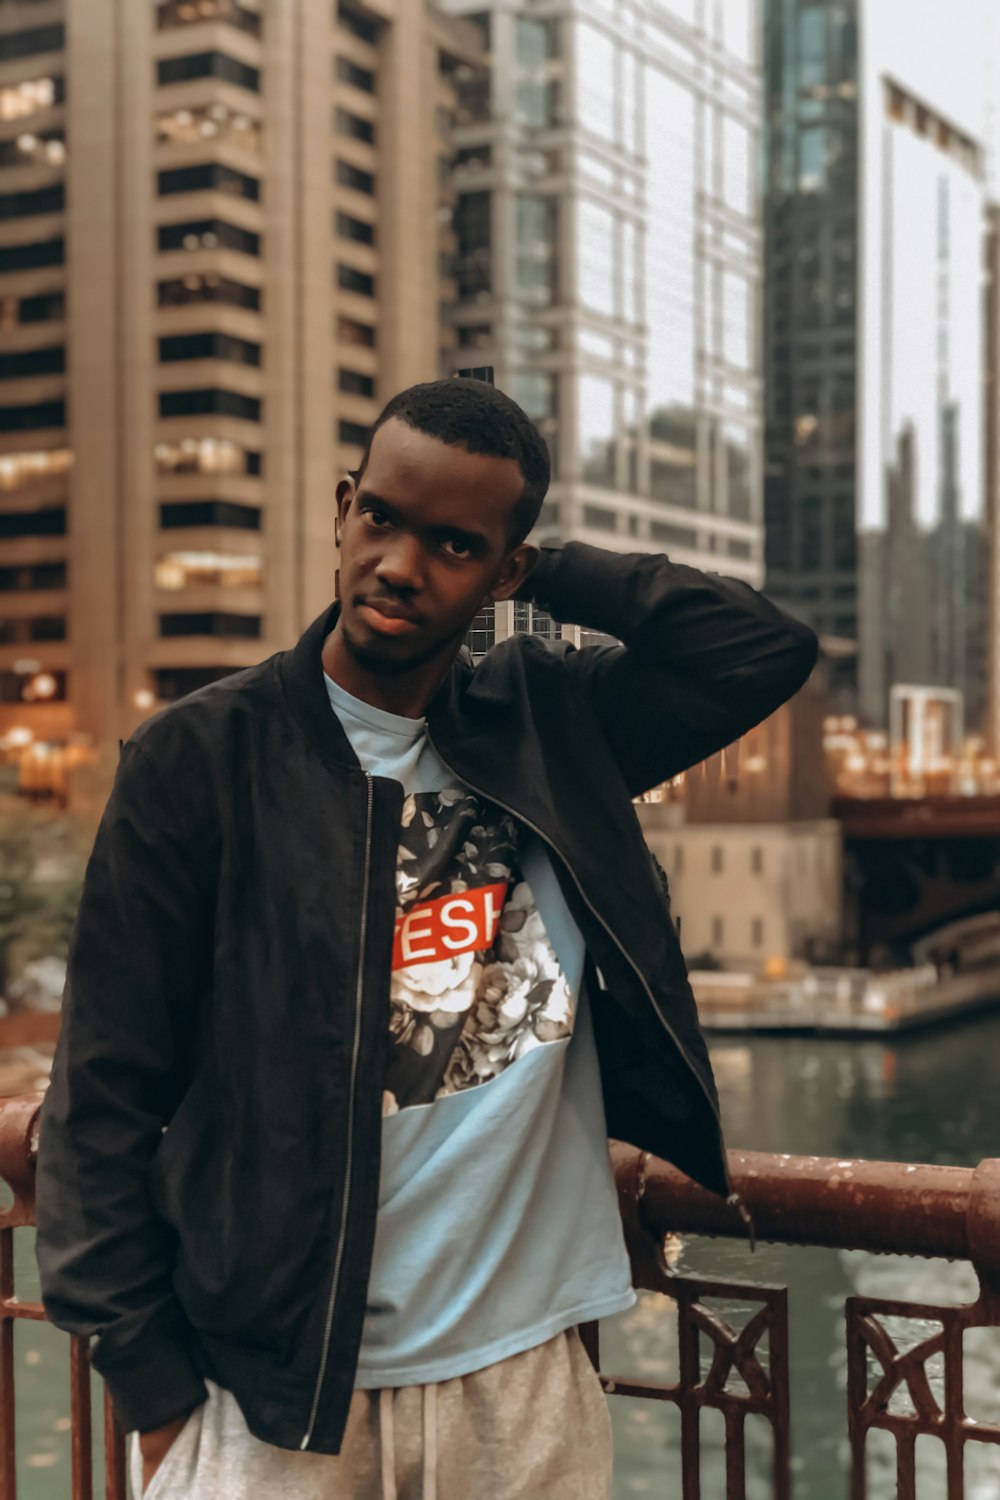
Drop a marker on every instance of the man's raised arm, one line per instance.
(704, 658)
(138, 964)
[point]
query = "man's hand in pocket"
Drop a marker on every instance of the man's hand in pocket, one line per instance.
(156, 1444)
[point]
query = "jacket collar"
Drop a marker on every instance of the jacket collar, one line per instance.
(301, 673)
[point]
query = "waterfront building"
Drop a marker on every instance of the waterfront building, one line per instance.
(874, 211)
(609, 264)
(752, 855)
(222, 227)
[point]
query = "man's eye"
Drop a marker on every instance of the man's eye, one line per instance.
(456, 542)
(375, 516)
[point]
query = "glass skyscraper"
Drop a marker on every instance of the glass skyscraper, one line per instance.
(609, 263)
(873, 347)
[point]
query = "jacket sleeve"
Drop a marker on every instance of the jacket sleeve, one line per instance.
(136, 966)
(702, 660)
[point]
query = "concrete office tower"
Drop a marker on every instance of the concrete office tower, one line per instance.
(609, 263)
(221, 235)
(874, 342)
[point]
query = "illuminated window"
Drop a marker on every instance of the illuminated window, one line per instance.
(209, 122)
(206, 234)
(174, 13)
(19, 100)
(18, 470)
(17, 687)
(209, 455)
(193, 570)
(46, 149)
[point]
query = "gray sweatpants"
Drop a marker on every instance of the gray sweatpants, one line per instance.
(535, 1426)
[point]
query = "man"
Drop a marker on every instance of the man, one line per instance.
(375, 935)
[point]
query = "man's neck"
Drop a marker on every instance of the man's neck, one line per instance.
(405, 693)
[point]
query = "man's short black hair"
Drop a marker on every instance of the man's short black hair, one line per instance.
(474, 415)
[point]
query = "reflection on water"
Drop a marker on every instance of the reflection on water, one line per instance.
(929, 1099)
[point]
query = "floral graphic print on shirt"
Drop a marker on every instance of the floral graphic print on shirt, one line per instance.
(475, 981)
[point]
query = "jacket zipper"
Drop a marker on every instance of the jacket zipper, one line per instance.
(342, 1236)
(617, 942)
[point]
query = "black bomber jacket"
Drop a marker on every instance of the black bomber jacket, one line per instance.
(209, 1152)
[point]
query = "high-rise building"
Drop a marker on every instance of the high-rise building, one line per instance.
(609, 262)
(874, 344)
(222, 235)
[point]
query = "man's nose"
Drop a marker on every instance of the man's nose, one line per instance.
(401, 563)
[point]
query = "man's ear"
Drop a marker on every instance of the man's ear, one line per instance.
(345, 492)
(514, 571)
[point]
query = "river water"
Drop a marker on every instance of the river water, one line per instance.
(930, 1099)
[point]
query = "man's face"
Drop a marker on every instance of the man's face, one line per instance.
(424, 542)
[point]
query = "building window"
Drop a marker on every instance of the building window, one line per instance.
(674, 480)
(359, 78)
(46, 149)
(756, 860)
(354, 383)
(207, 286)
(29, 257)
(211, 176)
(196, 570)
(209, 402)
(210, 622)
(17, 687)
(209, 122)
(208, 65)
(535, 253)
(599, 516)
(225, 346)
(718, 859)
(15, 44)
(28, 418)
(49, 200)
(473, 267)
(355, 434)
(361, 26)
(481, 635)
(18, 523)
(596, 419)
(353, 126)
(49, 361)
(18, 101)
(33, 576)
(718, 932)
(350, 228)
(757, 932)
(350, 176)
(209, 455)
(18, 470)
(207, 234)
(176, 682)
(22, 630)
(199, 513)
(350, 331)
(674, 536)
(353, 280)
(174, 13)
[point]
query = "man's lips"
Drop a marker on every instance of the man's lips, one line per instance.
(387, 618)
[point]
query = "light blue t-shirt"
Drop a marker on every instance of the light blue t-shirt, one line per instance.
(498, 1222)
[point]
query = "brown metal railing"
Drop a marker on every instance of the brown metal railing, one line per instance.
(952, 1212)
